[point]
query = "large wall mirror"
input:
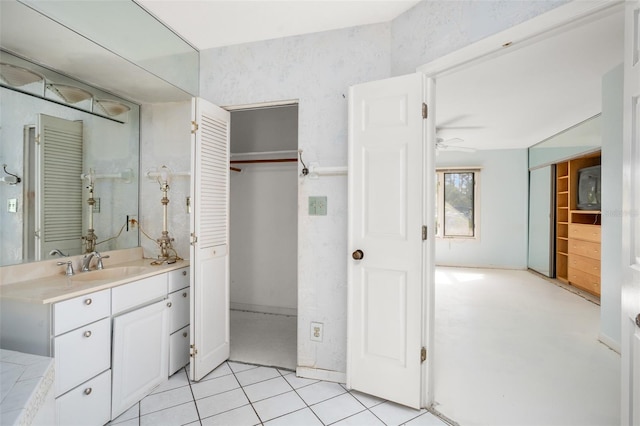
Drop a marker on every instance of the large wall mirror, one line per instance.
(70, 131)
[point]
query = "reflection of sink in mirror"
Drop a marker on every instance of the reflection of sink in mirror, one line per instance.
(110, 273)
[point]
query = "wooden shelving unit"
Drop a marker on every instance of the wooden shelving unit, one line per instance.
(577, 231)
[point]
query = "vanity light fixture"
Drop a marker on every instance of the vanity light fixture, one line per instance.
(112, 108)
(70, 94)
(17, 76)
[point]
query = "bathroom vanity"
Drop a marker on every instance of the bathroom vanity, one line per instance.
(115, 334)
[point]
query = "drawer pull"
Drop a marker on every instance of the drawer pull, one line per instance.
(88, 301)
(184, 294)
(184, 334)
(169, 305)
(184, 273)
(87, 333)
(88, 391)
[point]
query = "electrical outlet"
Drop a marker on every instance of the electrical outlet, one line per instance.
(317, 206)
(12, 205)
(317, 331)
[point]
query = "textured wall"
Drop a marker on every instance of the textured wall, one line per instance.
(503, 210)
(433, 29)
(317, 70)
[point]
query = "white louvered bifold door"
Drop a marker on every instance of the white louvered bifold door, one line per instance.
(59, 188)
(210, 236)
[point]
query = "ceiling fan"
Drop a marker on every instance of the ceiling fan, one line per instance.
(449, 145)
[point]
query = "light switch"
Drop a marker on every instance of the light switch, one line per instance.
(12, 205)
(317, 206)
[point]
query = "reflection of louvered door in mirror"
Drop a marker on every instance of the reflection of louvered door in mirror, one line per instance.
(58, 215)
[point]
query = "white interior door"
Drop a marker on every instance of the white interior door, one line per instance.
(386, 247)
(58, 186)
(631, 220)
(209, 251)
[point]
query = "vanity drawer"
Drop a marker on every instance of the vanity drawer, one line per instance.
(179, 309)
(81, 310)
(178, 279)
(88, 404)
(81, 354)
(178, 350)
(136, 293)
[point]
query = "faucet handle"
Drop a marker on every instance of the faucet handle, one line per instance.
(69, 270)
(100, 265)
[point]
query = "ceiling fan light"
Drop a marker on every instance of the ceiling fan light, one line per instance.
(18, 76)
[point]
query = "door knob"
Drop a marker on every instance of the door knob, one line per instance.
(357, 255)
(638, 320)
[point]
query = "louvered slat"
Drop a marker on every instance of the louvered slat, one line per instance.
(214, 182)
(61, 184)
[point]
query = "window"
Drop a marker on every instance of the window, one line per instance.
(455, 203)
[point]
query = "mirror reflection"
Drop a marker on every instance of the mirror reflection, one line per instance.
(77, 162)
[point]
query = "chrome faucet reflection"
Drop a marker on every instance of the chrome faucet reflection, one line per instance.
(86, 261)
(58, 252)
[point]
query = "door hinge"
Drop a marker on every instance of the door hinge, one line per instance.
(424, 232)
(423, 354)
(425, 110)
(37, 139)
(194, 127)
(194, 239)
(193, 351)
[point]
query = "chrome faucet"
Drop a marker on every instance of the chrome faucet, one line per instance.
(86, 261)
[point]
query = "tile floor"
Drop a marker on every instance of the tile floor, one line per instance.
(243, 394)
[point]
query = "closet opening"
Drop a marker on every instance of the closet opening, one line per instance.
(264, 235)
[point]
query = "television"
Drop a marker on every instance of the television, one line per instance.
(589, 188)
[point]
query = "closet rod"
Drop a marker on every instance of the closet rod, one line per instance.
(240, 154)
(273, 160)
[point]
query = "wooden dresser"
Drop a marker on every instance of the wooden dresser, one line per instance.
(584, 257)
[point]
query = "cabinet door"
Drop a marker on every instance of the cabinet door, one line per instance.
(178, 350)
(140, 354)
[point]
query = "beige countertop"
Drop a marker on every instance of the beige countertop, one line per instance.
(57, 287)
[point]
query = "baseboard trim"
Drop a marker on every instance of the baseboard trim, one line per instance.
(263, 309)
(319, 374)
(608, 341)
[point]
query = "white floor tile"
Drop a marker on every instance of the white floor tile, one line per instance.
(298, 382)
(178, 380)
(222, 370)
(131, 413)
(334, 409)
(163, 400)
(393, 414)
(237, 367)
(367, 400)
(256, 375)
(277, 406)
(299, 418)
(365, 418)
(174, 416)
(320, 391)
(426, 419)
(267, 389)
(220, 403)
(211, 387)
(243, 416)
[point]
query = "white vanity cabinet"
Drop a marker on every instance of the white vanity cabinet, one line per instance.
(82, 353)
(179, 300)
(140, 340)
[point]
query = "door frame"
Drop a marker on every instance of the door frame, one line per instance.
(572, 14)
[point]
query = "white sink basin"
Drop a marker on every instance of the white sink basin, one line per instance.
(116, 273)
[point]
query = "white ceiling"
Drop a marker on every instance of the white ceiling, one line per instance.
(531, 93)
(214, 23)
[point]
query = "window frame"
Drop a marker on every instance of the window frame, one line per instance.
(440, 204)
